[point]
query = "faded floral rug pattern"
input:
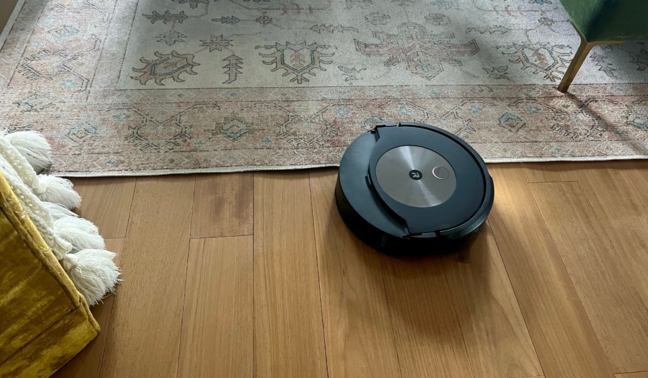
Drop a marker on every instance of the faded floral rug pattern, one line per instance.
(125, 87)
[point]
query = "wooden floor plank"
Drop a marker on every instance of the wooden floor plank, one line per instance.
(427, 332)
(106, 202)
(223, 205)
(358, 329)
(87, 363)
(563, 337)
(289, 341)
(548, 172)
(144, 336)
(637, 172)
(217, 327)
(613, 304)
(623, 214)
(494, 331)
(633, 375)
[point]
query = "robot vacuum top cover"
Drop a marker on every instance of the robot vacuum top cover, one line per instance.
(413, 181)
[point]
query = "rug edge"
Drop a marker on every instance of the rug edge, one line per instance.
(165, 172)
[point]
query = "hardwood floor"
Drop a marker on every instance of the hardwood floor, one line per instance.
(256, 275)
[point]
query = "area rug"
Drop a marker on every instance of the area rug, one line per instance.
(141, 87)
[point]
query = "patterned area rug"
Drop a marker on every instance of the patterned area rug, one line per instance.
(128, 87)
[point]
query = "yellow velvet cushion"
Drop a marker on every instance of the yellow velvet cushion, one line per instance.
(44, 321)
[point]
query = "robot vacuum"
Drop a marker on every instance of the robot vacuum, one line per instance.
(412, 189)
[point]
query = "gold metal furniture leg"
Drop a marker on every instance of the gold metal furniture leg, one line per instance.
(579, 58)
(572, 70)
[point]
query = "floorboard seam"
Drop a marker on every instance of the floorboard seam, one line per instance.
(319, 281)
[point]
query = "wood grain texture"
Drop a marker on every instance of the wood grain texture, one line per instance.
(289, 341)
(632, 375)
(563, 337)
(144, 336)
(427, 332)
(637, 172)
(548, 172)
(414, 313)
(87, 364)
(217, 327)
(106, 202)
(613, 305)
(358, 329)
(496, 337)
(223, 205)
(622, 212)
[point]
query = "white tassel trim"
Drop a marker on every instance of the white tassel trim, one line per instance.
(57, 190)
(47, 188)
(93, 272)
(34, 208)
(33, 147)
(69, 261)
(81, 233)
(57, 211)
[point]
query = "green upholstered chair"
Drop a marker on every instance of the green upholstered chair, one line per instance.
(604, 22)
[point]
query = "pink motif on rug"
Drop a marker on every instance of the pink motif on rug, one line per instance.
(139, 87)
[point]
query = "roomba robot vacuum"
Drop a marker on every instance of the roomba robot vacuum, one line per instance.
(412, 189)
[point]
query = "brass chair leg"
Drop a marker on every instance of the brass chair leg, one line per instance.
(572, 70)
(579, 58)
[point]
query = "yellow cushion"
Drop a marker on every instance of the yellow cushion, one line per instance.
(44, 321)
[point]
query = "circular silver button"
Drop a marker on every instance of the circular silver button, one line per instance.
(406, 174)
(441, 173)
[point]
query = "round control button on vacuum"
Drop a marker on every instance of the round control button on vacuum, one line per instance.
(441, 173)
